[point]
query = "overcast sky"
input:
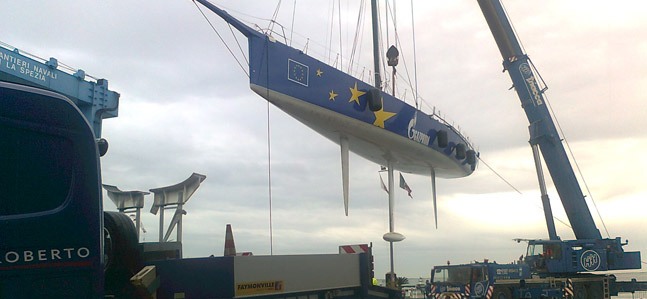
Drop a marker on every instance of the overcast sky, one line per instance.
(186, 107)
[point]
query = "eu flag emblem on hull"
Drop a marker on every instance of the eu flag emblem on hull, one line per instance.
(298, 72)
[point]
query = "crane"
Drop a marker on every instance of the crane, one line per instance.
(589, 251)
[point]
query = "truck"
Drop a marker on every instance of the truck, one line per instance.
(516, 280)
(58, 242)
(552, 268)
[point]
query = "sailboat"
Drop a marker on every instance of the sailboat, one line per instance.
(354, 114)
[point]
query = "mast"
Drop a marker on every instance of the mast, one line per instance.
(376, 45)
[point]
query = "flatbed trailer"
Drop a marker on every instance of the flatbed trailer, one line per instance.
(302, 276)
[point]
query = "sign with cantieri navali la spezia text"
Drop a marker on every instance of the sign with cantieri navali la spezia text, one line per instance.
(21, 66)
(259, 287)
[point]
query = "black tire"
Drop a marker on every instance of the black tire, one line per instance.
(442, 138)
(374, 99)
(460, 151)
(121, 254)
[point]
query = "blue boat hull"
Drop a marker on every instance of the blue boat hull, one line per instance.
(335, 104)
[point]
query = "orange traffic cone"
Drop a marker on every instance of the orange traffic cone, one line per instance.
(230, 247)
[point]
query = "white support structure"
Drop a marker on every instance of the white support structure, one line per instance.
(127, 201)
(174, 197)
(392, 235)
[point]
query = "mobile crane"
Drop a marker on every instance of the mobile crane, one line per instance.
(552, 267)
(589, 252)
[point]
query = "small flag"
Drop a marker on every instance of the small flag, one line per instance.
(298, 72)
(383, 186)
(404, 185)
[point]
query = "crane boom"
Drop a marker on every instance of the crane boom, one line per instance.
(542, 128)
(589, 252)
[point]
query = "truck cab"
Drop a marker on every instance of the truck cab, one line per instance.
(50, 198)
(476, 280)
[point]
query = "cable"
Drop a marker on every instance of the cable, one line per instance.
(276, 12)
(514, 188)
(341, 50)
(221, 39)
(357, 36)
(294, 10)
(269, 155)
(269, 174)
(500, 176)
(415, 64)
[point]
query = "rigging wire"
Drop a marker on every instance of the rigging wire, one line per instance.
(269, 136)
(514, 188)
(269, 171)
(269, 152)
(294, 10)
(387, 82)
(402, 57)
(328, 45)
(356, 39)
(341, 50)
(415, 67)
(276, 13)
(577, 165)
(222, 40)
(386, 20)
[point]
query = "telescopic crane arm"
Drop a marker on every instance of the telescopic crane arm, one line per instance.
(542, 128)
(589, 252)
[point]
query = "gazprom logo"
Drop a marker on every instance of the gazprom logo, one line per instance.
(416, 135)
(590, 260)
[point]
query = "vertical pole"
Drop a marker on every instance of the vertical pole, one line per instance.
(393, 81)
(391, 197)
(545, 201)
(376, 46)
(391, 220)
(179, 225)
(161, 239)
(138, 221)
(433, 195)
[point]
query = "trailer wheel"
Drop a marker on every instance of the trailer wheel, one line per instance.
(122, 257)
(502, 293)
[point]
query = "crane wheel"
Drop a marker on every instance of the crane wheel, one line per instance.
(122, 256)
